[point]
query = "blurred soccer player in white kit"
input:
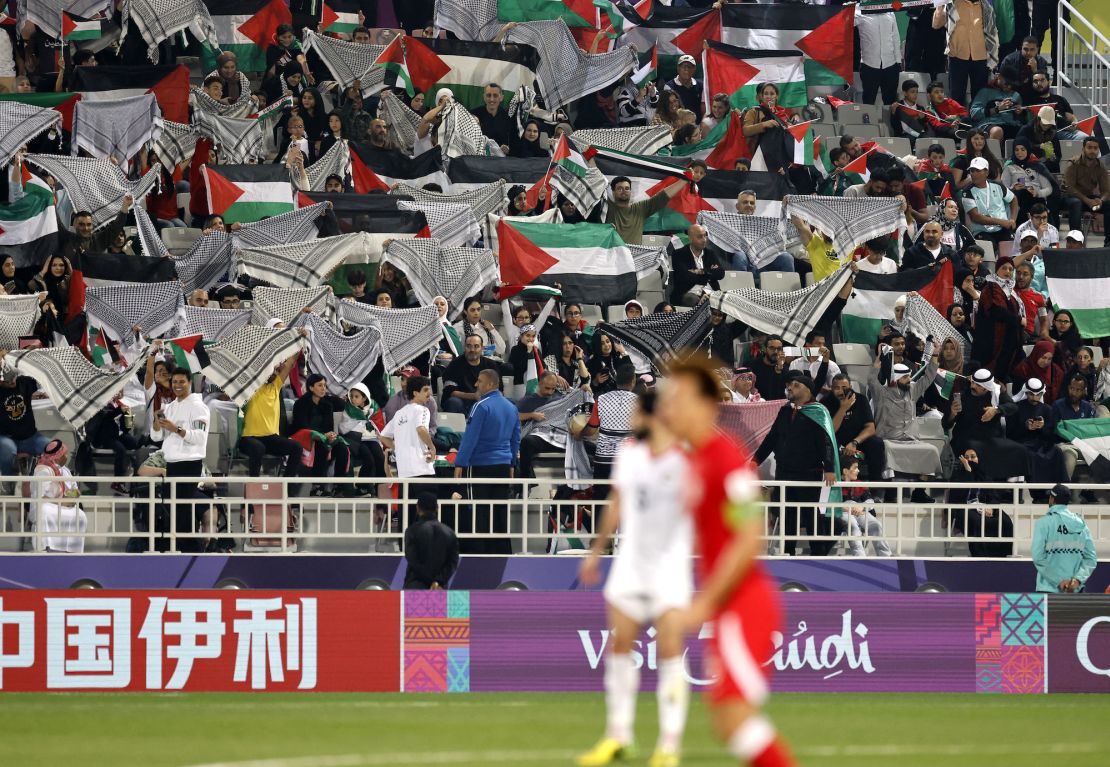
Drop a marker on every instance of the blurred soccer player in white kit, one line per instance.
(650, 581)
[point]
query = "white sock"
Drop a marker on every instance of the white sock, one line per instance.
(673, 692)
(751, 738)
(622, 682)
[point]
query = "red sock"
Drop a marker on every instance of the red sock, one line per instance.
(756, 743)
(775, 755)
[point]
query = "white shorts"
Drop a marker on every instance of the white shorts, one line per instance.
(644, 599)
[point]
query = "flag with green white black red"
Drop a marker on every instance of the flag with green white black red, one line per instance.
(738, 71)
(871, 303)
(392, 60)
(246, 28)
(949, 383)
(339, 17)
(77, 29)
(649, 69)
(246, 193)
(671, 30)
(188, 352)
(823, 33)
(62, 103)
(576, 13)
(1079, 281)
(374, 168)
(410, 64)
(472, 64)
(1091, 437)
(29, 226)
(621, 17)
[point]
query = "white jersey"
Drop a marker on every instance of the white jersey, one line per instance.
(651, 572)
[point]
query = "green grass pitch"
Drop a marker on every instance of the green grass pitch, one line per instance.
(334, 730)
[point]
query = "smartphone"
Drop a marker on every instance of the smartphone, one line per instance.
(159, 415)
(792, 351)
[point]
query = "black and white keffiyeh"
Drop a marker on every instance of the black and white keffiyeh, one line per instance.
(406, 333)
(401, 119)
(348, 61)
(18, 315)
(117, 309)
(450, 223)
(566, 73)
(77, 387)
(555, 426)
(760, 238)
(436, 270)
(177, 144)
(206, 262)
(21, 123)
(116, 128)
(848, 221)
(923, 320)
(149, 239)
(241, 107)
(334, 162)
(483, 200)
(293, 226)
(242, 362)
(95, 185)
(460, 133)
(47, 14)
(644, 140)
(288, 304)
(525, 106)
(343, 360)
(585, 191)
(238, 139)
(659, 337)
(648, 260)
(211, 324)
(159, 20)
(304, 264)
(468, 19)
(790, 315)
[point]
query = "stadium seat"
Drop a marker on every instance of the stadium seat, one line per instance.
(1069, 150)
(859, 114)
(852, 354)
(811, 279)
(1005, 248)
(492, 312)
(989, 252)
(651, 282)
(734, 280)
(650, 299)
(922, 148)
(179, 240)
(591, 313)
(862, 132)
(996, 147)
(616, 313)
(656, 240)
(896, 145)
(780, 282)
(826, 130)
(456, 421)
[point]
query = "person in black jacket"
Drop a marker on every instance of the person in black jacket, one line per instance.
(314, 424)
(431, 548)
(803, 452)
(722, 333)
(693, 266)
(928, 250)
(770, 369)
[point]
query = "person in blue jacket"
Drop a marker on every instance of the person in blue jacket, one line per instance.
(1063, 550)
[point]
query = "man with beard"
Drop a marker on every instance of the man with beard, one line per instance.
(804, 446)
(855, 426)
(929, 250)
(895, 411)
(1065, 117)
(976, 420)
(1036, 313)
(770, 369)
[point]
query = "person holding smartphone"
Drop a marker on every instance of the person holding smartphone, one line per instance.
(1034, 426)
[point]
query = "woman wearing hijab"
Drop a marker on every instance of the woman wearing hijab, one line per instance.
(528, 145)
(954, 233)
(524, 352)
(227, 69)
(1028, 178)
(952, 361)
(10, 284)
(1034, 427)
(1039, 365)
(1066, 335)
(606, 357)
(58, 521)
(362, 438)
(957, 318)
(765, 126)
(518, 201)
(999, 321)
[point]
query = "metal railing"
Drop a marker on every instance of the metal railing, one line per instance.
(258, 514)
(1082, 58)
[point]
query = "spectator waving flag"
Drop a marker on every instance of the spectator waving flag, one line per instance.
(873, 295)
(247, 193)
(661, 337)
(738, 71)
(824, 33)
(246, 28)
(1079, 281)
(29, 226)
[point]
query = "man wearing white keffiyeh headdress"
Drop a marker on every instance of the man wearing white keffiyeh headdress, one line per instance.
(976, 420)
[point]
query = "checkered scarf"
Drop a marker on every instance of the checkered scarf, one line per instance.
(849, 221)
(923, 320)
(343, 360)
(303, 264)
(565, 72)
(759, 237)
(177, 143)
(159, 20)
(460, 133)
(790, 315)
(47, 14)
(584, 192)
(645, 141)
(435, 270)
(212, 324)
(749, 422)
(483, 200)
(21, 123)
(659, 337)
(451, 223)
(402, 121)
(242, 362)
(116, 128)
(525, 106)
(294, 226)
(406, 333)
(334, 162)
(555, 427)
(205, 263)
(239, 140)
(117, 309)
(241, 107)
(18, 315)
(468, 19)
(77, 387)
(95, 185)
(288, 304)
(648, 260)
(149, 239)
(348, 61)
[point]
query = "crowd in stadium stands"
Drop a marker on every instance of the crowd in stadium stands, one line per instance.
(989, 213)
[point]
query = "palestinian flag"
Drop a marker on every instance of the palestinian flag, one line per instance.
(274, 111)
(168, 82)
(738, 71)
(1079, 281)
(246, 193)
(62, 103)
(824, 33)
(188, 353)
(392, 60)
(246, 28)
(671, 30)
(390, 167)
(472, 64)
(873, 296)
(856, 171)
(339, 17)
(533, 372)
(29, 226)
(590, 262)
(96, 269)
(576, 13)
(621, 16)
(949, 383)
(102, 352)
(472, 171)
(77, 29)
(568, 158)
(1092, 126)
(806, 145)
(1091, 437)
(681, 211)
(649, 70)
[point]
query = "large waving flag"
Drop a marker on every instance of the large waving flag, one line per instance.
(168, 82)
(246, 28)
(576, 13)
(1091, 437)
(472, 64)
(873, 296)
(738, 72)
(339, 17)
(245, 193)
(29, 226)
(411, 64)
(588, 262)
(1079, 281)
(822, 32)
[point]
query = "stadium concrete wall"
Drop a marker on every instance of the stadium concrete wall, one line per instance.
(461, 641)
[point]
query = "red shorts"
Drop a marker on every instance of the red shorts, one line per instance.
(742, 643)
